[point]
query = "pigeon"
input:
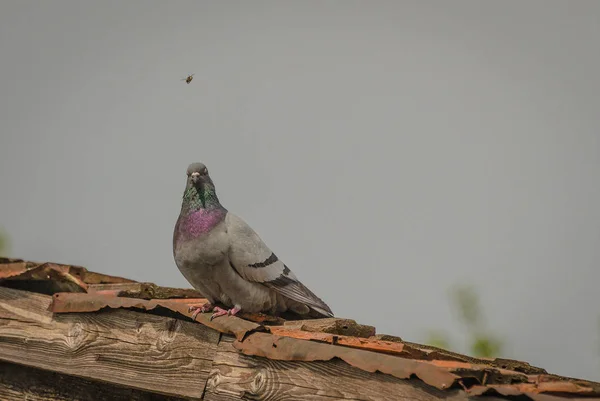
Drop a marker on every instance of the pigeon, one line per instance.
(221, 256)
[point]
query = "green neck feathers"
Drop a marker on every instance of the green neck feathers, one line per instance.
(200, 198)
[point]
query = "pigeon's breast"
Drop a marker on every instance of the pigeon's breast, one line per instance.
(200, 222)
(201, 239)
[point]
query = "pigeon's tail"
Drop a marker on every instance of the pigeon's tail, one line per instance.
(299, 293)
(308, 311)
(321, 312)
(315, 303)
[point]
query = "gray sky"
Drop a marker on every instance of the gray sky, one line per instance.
(385, 150)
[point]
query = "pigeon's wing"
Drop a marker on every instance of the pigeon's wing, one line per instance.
(254, 261)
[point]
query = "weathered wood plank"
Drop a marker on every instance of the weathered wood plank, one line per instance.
(236, 376)
(18, 383)
(133, 349)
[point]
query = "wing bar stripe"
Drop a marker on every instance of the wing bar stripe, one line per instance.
(269, 261)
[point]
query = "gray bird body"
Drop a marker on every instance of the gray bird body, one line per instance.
(225, 259)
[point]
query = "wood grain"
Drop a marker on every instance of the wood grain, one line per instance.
(236, 376)
(133, 349)
(18, 382)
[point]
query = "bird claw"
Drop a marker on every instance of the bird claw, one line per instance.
(222, 312)
(207, 307)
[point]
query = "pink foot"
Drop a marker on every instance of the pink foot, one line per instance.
(207, 307)
(222, 312)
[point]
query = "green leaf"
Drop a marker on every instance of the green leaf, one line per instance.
(485, 346)
(439, 339)
(4, 243)
(466, 303)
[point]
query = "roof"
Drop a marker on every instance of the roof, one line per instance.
(74, 290)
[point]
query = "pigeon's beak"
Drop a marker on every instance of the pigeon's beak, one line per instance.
(195, 177)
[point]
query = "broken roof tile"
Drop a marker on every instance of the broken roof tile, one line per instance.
(61, 277)
(347, 327)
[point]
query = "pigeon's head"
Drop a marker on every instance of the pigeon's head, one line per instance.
(199, 190)
(197, 176)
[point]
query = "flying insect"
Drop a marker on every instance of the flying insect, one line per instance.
(188, 79)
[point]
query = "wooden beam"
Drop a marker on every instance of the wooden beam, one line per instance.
(18, 383)
(137, 350)
(236, 376)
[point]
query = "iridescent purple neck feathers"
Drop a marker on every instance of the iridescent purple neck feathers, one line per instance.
(199, 222)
